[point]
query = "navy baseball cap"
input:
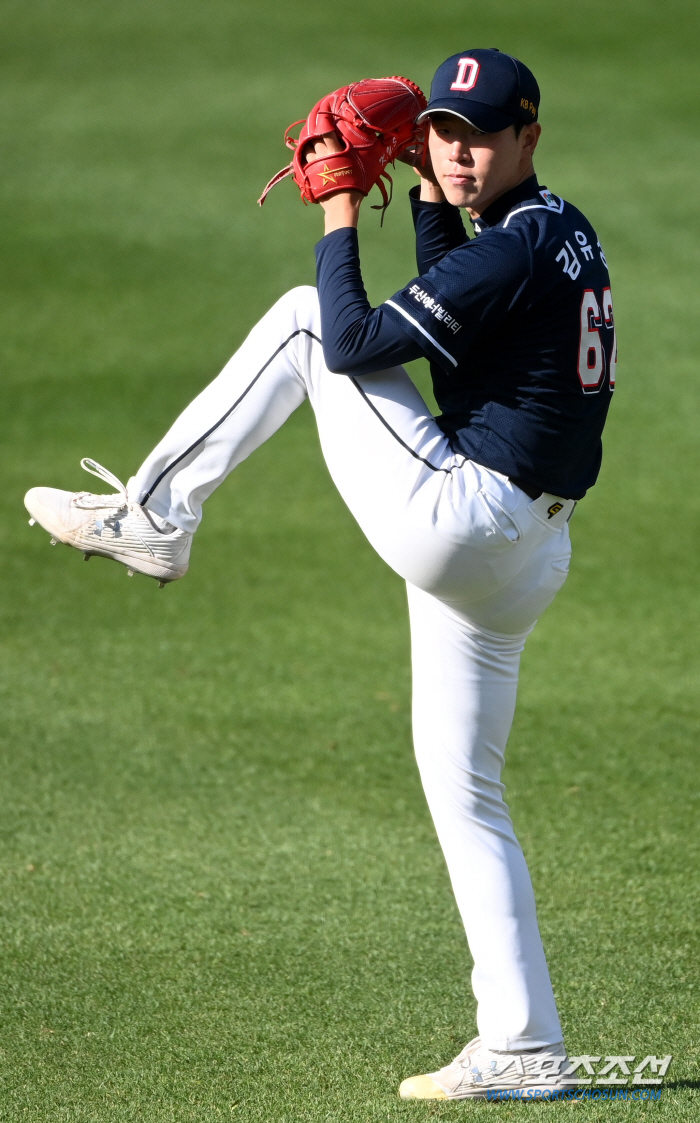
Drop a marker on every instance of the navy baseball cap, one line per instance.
(485, 87)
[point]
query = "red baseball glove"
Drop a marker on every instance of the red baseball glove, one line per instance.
(375, 121)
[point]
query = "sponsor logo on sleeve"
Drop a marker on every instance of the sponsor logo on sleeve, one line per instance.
(436, 309)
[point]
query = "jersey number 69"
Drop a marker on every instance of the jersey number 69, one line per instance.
(592, 354)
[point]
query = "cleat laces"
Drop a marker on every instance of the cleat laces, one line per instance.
(87, 501)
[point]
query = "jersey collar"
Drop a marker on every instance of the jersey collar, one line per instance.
(497, 211)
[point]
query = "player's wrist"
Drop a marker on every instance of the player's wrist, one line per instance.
(431, 192)
(341, 209)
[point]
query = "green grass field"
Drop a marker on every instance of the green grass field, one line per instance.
(221, 893)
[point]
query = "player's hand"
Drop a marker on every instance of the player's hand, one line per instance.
(342, 208)
(323, 146)
(430, 190)
(421, 163)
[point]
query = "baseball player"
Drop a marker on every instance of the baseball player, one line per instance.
(471, 508)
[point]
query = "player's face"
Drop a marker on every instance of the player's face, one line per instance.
(473, 168)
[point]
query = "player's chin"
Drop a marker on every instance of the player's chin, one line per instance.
(460, 194)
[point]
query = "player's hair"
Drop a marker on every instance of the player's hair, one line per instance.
(517, 125)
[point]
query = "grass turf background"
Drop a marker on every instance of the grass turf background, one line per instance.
(221, 894)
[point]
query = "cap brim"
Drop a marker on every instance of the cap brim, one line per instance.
(476, 113)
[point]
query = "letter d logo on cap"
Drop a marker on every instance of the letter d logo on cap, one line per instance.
(467, 74)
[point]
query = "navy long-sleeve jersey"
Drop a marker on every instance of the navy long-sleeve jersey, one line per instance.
(517, 324)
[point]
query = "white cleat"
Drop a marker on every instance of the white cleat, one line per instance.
(478, 1073)
(110, 526)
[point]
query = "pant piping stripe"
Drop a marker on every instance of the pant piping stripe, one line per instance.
(395, 435)
(215, 426)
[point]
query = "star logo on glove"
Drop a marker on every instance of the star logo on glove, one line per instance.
(327, 176)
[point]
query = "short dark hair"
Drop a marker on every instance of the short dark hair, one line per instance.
(518, 125)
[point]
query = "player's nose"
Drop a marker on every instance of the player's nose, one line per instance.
(460, 152)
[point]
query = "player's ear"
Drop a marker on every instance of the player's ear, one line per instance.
(530, 136)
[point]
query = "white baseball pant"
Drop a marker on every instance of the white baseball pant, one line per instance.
(481, 561)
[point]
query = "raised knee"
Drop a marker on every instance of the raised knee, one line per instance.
(303, 300)
(304, 293)
(301, 306)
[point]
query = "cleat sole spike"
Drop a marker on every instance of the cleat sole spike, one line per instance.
(31, 522)
(86, 557)
(53, 542)
(162, 584)
(130, 573)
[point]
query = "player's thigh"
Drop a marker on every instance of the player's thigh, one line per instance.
(389, 460)
(449, 526)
